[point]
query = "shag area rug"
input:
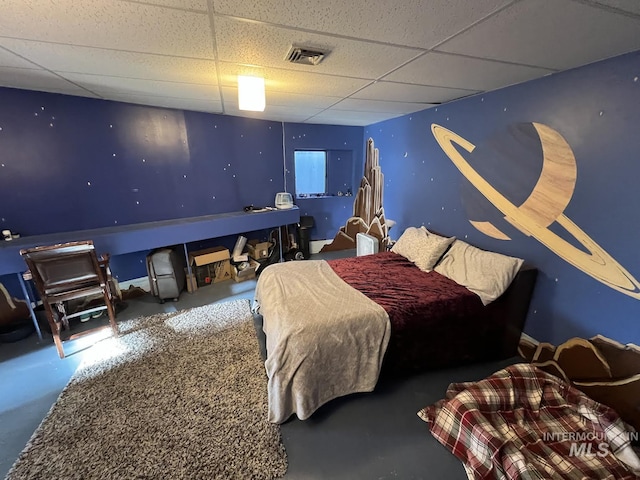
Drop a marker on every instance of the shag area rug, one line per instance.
(177, 395)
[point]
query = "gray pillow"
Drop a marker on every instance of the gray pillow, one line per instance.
(422, 247)
(487, 274)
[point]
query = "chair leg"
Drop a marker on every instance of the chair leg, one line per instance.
(112, 313)
(55, 328)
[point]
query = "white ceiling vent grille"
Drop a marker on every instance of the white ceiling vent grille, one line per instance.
(304, 55)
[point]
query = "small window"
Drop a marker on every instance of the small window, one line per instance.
(311, 172)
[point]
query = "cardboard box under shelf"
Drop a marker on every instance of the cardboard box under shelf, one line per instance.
(246, 274)
(211, 265)
(258, 250)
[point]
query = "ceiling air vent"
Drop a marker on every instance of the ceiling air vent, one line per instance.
(304, 55)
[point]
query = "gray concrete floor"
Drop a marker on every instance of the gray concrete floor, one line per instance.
(364, 436)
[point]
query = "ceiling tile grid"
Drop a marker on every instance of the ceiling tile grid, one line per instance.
(384, 59)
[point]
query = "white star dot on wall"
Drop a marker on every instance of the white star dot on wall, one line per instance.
(214, 197)
(137, 203)
(635, 79)
(115, 221)
(143, 160)
(432, 179)
(482, 99)
(110, 126)
(228, 164)
(406, 154)
(556, 279)
(3, 220)
(2, 165)
(42, 108)
(271, 179)
(89, 183)
(410, 118)
(234, 175)
(443, 208)
(0, 129)
(447, 119)
(51, 124)
(184, 176)
(436, 109)
(35, 114)
(241, 135)
(114, 155)
(505, 109)
(601, 113)
(466, 236)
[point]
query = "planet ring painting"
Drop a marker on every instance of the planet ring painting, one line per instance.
(544, 206)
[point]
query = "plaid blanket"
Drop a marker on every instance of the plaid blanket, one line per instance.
(523, 423)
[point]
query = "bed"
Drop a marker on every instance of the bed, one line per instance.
(332, 327)
(524, 423)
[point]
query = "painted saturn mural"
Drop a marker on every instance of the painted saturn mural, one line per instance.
(537, 210)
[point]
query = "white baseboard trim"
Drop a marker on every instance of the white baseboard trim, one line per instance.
(316, 245)
(142, 282)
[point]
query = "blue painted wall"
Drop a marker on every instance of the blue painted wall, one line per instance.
(329, 213)
(71, 163)
(596, 108)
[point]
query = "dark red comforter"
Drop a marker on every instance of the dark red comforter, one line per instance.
(434, 321)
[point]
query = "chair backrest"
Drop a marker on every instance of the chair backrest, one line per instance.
(65, 266)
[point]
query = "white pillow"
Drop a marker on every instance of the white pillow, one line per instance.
(487, 274)
(422, 247)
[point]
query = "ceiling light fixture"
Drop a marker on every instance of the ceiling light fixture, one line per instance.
(251, 93)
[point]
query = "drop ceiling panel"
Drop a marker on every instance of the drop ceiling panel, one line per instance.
(381, 64)
(274, 112)
(99, 61)
(8, 59)
(111, 24)
(404, 92)
(342, 117)
(575, 34)
(631, 6)
(360, 105)
(38, 80)
(291, 81)
(112, 86)
(197, 105)
(463, 72)
(409, 22)
(294, 100)
(200, 5)
(257, 44)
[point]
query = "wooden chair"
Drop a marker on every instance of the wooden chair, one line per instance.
(65, 272)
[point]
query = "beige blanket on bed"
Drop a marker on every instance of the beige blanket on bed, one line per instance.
(325, 339)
